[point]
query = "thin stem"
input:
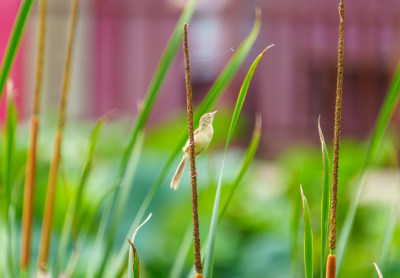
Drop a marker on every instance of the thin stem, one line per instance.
(336, 142)
(189, 98)
(27, 215)
(49, 205)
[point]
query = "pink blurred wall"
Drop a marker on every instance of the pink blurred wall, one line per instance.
(8, 12)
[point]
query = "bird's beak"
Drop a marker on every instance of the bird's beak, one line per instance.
(214, 112)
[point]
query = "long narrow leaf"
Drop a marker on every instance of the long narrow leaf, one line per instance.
(9, 154)
(213, 95)
(111, 220)
(209, 257)
(15, 39)
(74, 207)
(325, 200)
(389, 105)
(308, 238)
(248, 158)
(133, 270)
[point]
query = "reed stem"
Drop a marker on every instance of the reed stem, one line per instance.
(336, 142)
(27, 215)
(189, 98)
(51, 187)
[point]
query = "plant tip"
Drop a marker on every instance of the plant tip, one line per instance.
(258, 121)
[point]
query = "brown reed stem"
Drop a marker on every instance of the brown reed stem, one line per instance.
(331, 266)
(189, 98)
(51, 187)
(27, 214)
(336, 142)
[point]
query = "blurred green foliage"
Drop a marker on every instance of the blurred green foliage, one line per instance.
(254, 237)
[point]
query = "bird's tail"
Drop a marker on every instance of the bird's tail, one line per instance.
(179, 172)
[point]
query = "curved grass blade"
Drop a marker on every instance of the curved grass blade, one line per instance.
(209, 257)
(248, 159)
(389, 105)
(325, 200)
(74, 206)
(9, 149)
(15, 39)
(125, 188)
(213, 95)
(308, 238)
(378, 271)
(9, 144)
(391, 214)
(133, 270)
(111, 220)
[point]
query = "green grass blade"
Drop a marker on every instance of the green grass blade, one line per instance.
(9, 144)
(209, 257)
(13, 43)
(125, 187)
(133, 270)
(9, 149)
(213, 95)
(378, 271)
(75, 203)
(247, 160)
(386, 113)
(308, 238)
(394, 207)
(325, 200)
(111, 222)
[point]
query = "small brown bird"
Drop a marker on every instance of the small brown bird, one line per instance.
(202, 138)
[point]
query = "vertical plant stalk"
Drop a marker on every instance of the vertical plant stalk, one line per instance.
(27, 216)
(336, 142)
(49, 205)
(193, 174)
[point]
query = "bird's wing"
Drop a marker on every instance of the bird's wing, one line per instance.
(186, 147)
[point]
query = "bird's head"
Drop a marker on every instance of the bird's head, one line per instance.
(207, 118)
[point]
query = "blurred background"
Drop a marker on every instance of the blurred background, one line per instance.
(118, 47)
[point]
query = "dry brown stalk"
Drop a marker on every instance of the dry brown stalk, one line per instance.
(331, 266)
(29, 189)
(51, 187)
(336, 142)
(189, 98)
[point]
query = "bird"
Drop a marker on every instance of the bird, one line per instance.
(202, 138)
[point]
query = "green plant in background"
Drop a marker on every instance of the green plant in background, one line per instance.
(80, 222)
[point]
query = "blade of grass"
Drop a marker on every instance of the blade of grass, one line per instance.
(308, 237)
(9, 144)
(325, 200)
(75, 204)
(392, 212)
(152, 93)
(213, 95)
(9, 154)
(378, 270)
(209, 257)
(386, 113)
(133, 270)
(247, 160)
(15, 39)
